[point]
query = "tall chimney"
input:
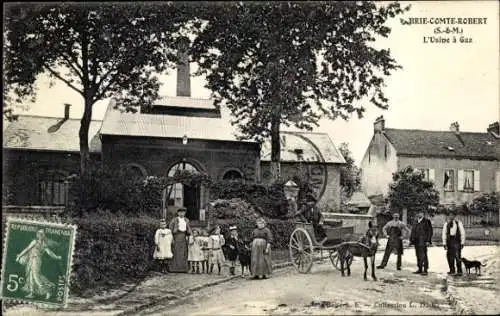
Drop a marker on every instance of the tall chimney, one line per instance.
(494, 129)
(183, 71)
(454, 127)
(379, 124)
(66, 110)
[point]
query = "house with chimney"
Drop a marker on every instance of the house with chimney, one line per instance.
(178, 133)
(462, 165)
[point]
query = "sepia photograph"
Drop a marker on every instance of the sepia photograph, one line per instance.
(251, 158)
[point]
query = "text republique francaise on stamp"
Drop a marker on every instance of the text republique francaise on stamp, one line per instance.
(37, 261)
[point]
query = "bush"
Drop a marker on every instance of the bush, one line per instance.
(486, 202)
(112, 248)
(114, 191)
(269, 200)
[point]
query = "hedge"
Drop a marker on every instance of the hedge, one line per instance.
(112, 248)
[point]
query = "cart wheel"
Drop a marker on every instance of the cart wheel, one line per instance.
(301, 250)
(335, 259)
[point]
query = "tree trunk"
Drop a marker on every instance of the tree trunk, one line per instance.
(84, 137)
(405, 216)
(275, 147)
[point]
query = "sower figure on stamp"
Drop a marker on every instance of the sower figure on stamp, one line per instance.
(421, 237)
(393, 230)
(31, 257)
(453, 240)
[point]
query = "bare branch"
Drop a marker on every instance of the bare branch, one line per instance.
(58, 76)
(105, 89)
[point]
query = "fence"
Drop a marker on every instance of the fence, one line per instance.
(485, 219)
(36, 212)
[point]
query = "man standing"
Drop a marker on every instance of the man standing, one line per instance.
(393, 231)
(453, 240)
(421, 237)
(314, 216)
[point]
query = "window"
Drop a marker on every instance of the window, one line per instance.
(428, 174)
(133, 170)
(449, 180)
(468, 180)
(51, 188)
(232, 175)
(181, 195)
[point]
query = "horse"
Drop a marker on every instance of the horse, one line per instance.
(366, 247)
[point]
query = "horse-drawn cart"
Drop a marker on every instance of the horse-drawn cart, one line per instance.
(304, 245)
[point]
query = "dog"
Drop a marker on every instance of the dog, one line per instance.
(245, 257)
(473, 264)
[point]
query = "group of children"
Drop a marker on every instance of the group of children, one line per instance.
(204, 249)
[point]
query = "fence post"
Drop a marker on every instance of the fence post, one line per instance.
(66, 195)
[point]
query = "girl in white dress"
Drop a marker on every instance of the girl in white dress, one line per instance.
(215, 243)
(195, 252)
(163, 246)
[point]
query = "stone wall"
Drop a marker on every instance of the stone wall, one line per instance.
(33, 212)
(358, 221)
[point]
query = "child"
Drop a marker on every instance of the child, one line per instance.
(232, 251)
(163, 246)
(215, 243)
(205, 250)
(195, 253)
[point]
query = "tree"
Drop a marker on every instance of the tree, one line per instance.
(410, 191)
(486, 202)
(290, 63)
(99, 50)
(350, 174)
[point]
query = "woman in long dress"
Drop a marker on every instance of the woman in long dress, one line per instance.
(181, 230)
(163, 243)
(31, 258)
(261, 250)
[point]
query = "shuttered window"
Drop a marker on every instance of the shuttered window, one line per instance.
(469, 180)
(449, 180)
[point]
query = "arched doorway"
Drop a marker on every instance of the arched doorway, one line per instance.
(182, 195)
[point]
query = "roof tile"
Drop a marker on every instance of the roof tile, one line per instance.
(465, 145)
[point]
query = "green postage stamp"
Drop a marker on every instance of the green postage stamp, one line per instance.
(37, 261)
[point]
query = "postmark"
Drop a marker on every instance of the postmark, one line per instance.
(37, 261)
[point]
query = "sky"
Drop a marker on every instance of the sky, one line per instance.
(439, 83)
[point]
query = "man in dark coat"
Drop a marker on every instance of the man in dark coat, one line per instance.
(421, 237)
(393, 230)
(314, 216)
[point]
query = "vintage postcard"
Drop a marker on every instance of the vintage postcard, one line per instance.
(251, 158)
